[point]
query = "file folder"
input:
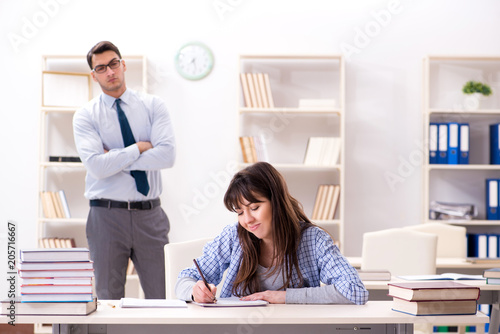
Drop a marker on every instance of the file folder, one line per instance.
(453, 143)
(492, 199)
(433, 143)
(472, 245)
(442, 144)
(494, 144)
(493, 246)
(463, 154)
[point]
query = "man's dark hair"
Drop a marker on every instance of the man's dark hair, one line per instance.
(100, 48)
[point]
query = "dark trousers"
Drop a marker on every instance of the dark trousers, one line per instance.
(115, 235)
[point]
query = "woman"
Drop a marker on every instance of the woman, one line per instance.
(274, 253)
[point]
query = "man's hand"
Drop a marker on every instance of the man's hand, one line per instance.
(273, 297)
(144, 146)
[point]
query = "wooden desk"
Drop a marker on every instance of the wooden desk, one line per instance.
(374, 317)
(459, 265)
(489, 295)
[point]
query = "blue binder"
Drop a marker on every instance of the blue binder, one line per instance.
(494, 144)
(463, 142)
(472, 245)
(442, 143)
(453, 143)
(433, 143)
(492, 199)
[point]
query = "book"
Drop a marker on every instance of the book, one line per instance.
(54, 265)
(64, 159)
(493, 281)
(51, 242)
(441, 277)
(56, 273)
(269, 94)
(374, 275)
(246, 92)
(47, 308)
(153, 303)
(53, 289)
(57, 281)
(234, 302)
(64, 203)
(61, 297)
(491, 273)
(56, 255)
(433, 290)
(438, 307)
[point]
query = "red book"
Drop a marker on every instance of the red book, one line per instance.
(433, 290)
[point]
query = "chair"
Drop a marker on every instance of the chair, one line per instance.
(452, 240)
(179, 256)
(399, 250)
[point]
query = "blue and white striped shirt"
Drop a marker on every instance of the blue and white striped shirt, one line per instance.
(319, 261)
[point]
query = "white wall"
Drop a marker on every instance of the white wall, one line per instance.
(383, 103)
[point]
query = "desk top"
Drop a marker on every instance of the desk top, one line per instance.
(382, 285)
(445, 263)
(374, 312)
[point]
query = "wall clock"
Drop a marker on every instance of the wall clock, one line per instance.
(194, 61)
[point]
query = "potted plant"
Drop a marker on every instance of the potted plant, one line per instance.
(474, 91)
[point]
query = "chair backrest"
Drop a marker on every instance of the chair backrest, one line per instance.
(401, 251)
(452, 240)
(179, 256)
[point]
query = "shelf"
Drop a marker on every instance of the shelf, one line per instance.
(69, 110)
(298, 167)
(466, 222)
(290, 110)
(63, 220)
(465, 112)
(462, 167)
(286, 131)
(62, 165)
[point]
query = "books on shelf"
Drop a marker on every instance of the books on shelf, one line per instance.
(327, 199)
(53, 158)
(54, 204)
(374, 275)
(253, 149)
(54, 255)
(322, 151)
(441, 307)
(256, 90)
(433, 290)
(484, 247)
(449, 143)
(54, 242)
(48, 308)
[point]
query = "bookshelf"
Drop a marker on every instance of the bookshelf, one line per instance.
(301, 96)
(444, 102)
(66, 85)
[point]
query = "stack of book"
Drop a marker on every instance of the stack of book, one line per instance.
(492, 276)
(322, 151)
(434, 298)
(253, 149)
(327, 199)
(256, 90)
(56, 275)
(54, 204)
(55, 242)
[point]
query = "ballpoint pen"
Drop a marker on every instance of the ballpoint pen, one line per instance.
(203, 277)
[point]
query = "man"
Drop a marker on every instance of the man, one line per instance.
(124, 139)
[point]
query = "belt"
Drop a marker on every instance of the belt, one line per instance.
(145, 205)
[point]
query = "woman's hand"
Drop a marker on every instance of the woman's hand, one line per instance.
(273, 297)
(201, 294)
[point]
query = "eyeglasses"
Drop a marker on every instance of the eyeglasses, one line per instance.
(114, 64)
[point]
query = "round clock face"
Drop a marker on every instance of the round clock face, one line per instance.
(194, 61)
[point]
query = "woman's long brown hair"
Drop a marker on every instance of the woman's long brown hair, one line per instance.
(263, 180)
